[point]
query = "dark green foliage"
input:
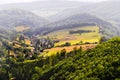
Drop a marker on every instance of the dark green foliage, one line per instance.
(42, 44)
(3, 74)
(100, 63)
(80, 31)
(103, 39)
(66, 44)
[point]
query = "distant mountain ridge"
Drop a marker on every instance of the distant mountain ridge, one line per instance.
(45, 7)
(62, 9)
(17, 17)
(12, 18)
(108, 9)
(74, 15)
(77, 21)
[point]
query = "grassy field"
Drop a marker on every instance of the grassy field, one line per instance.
(21, 28)
(63, 35)
(53, 51)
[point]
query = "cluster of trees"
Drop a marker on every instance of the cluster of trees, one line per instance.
(80, 31)
(100, 63)
(21, 50)
(11, 68)
(44, 43)
(65, 44)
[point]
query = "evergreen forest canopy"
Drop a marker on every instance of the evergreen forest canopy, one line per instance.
(100, 63)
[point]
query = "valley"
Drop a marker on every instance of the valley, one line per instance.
(60, 40)
(63, 38)
(52, 43)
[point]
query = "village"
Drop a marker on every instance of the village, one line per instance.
(28, 46)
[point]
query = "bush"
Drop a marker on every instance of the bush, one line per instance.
(66, 44)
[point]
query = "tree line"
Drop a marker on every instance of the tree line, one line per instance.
(100, 63)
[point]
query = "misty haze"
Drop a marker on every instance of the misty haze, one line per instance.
(60, 40)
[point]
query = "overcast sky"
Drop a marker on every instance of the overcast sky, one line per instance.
(19, 1)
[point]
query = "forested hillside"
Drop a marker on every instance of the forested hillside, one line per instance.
(59, 40)
(100, 63)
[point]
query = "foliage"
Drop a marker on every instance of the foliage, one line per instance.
(100, 63)
(80, 31)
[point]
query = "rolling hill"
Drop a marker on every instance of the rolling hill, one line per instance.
(63, 14)
(73, 37)
(17, 17)
(68, 46)
(108, 9)
(15, 20)
(61, 9)
(45, 7)
(6, 34)
(101, 63)
(106, 28)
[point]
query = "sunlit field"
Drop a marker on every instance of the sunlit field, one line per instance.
(53, 51)
(63, 35)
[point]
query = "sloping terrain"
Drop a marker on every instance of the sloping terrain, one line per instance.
(17, 17)
(18, 20)
(6, 34)
(108, 9)
(11, 19)
(106, 28)
(75, 35)
(66, 15)
(101, 63)
(45, 7)
(84, 36)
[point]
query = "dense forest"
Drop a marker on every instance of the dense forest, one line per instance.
(100, 63)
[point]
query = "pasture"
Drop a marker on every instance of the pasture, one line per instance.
(64, 36)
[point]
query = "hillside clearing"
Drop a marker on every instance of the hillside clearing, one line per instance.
(53, 51)
(21, 28)
(64, 36)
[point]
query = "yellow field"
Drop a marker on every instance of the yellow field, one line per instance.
(63, 35)
(21, 28)
(53, 51)
(28, 42)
